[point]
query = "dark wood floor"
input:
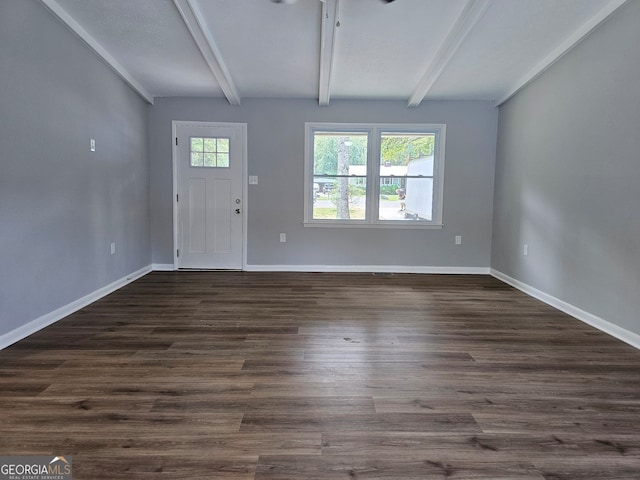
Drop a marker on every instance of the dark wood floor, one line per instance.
(323, 376)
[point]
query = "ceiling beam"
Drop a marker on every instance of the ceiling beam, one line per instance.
(92, 43)
(557, 53)
(201, 34)
(467, 19)
(327, 47)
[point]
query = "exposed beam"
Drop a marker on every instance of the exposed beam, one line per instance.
(195, 21)
(557, 53)
(469, 16)
(327, 47)
(92, 43)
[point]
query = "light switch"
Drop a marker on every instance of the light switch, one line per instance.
(253, 179)
(458, 239)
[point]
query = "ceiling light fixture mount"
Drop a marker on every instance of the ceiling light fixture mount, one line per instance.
(289, 2)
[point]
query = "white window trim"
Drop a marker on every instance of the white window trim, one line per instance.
(374, 130)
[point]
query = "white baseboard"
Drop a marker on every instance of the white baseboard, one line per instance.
(39, 323)
(368, 269)
(601, 324)
(163, 267)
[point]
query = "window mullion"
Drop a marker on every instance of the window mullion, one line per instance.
(373, 162)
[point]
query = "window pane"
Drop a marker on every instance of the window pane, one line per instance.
(411, 199)
(223, 145)
(209, 159)
(223, 160)
(197, 159)
(341, 153)
(209, 144)
(402, 152)
(196, 144)
(339, 198)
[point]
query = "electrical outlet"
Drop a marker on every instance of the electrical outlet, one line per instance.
(525, 250)
(92, 145)
(283, 237)
(113, 248)
(253, 179)
(458, 239)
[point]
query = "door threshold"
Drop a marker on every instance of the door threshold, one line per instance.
(183, 269)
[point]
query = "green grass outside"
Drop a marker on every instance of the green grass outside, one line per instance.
(331, 213)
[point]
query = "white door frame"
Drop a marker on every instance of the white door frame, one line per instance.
(174, 132)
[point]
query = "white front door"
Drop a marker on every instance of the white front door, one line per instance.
(209, 168)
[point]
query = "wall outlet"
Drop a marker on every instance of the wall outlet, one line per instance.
(113, 248)
(458, 239)
(253, 179)
(283, 237)
(92, 145)
(525, 250)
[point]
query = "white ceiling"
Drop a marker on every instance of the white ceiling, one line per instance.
(408, 49)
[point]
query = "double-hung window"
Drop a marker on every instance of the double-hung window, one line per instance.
(374, 175)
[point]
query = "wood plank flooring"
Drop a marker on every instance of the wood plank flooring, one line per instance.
(265, 376)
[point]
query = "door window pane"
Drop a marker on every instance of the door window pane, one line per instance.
(212, 152)
(197, 159)
(196, 144)
(209, 144)
(222, 144)
(223, 160)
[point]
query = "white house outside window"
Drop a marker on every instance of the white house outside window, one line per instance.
(374, 175)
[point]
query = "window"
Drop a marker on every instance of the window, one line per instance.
(374, 175)
(340, 172)
(210, 152)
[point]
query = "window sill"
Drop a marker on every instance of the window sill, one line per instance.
(392, 225)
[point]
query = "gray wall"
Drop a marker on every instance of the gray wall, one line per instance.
(60, 205)
(568, 177)
(276, 155)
